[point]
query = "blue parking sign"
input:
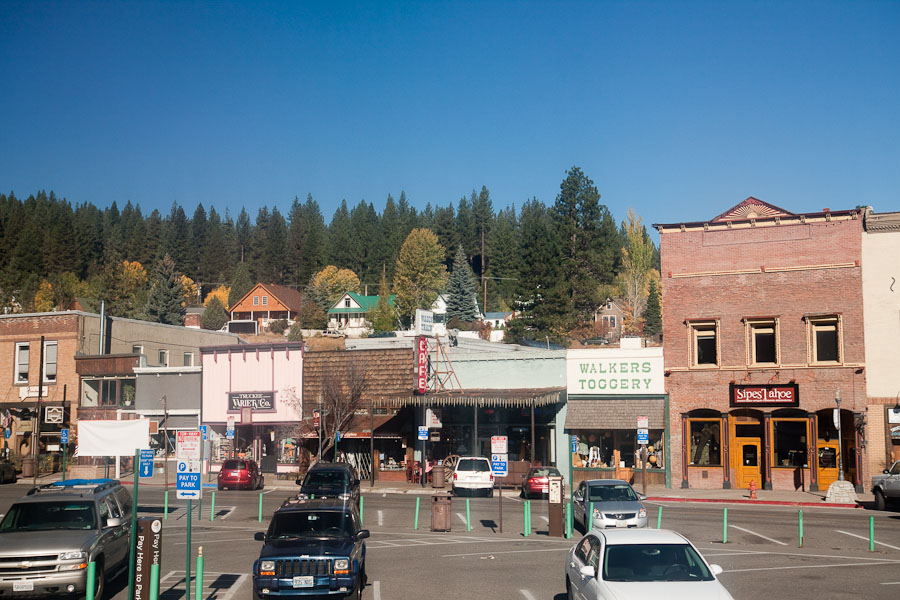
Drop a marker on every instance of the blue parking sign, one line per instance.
(63, 436)
(146, 467)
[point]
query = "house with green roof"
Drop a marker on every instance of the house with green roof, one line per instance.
(350, 314)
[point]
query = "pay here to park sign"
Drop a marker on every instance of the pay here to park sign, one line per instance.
(187, 476)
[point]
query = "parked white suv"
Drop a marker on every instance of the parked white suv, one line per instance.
(473, 474)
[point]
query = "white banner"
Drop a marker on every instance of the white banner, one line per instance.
(113, 438)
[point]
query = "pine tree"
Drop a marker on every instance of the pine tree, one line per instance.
(214, 317)
(240, 284)
(384, 318)
(165, 304)
(460, 293)
(653, 313)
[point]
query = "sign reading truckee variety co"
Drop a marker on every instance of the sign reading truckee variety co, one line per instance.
(786, 394)
(615, 372)
(252, 400)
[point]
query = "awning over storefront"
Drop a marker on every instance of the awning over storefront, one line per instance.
(360, 427)
(496, 398)
(615, 413)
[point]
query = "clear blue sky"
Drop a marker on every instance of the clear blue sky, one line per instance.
(677, 109)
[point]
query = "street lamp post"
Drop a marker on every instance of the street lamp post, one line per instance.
(837, 423)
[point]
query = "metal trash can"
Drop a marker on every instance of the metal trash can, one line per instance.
(437, 476)
(28, 466)
(440, 512)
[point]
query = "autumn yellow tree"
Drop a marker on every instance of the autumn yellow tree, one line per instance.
(189, 291)
(420, 272)
(221, 293)
(327, 286)
(44, 299)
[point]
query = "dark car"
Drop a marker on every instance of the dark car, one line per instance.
(330, 480)
(312, 548)
(240, 474)
(536, 481)
(7, 472)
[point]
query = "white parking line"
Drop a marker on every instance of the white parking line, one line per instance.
(890, 583)
(855, 564)
(268, 491)
(376, 590)
(507, 552)
(380, 518)
(527, 595)
(757, 534)
(461, 518)
(862, 537)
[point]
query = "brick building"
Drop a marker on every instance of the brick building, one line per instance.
(763, 331)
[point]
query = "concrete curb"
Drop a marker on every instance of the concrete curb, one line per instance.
(762, 502)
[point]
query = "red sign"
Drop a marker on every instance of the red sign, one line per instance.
(316, 418)
(421, 364)
(765, 395)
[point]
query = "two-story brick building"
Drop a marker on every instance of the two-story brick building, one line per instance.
(763, 332)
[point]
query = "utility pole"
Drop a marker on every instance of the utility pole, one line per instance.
(36, 430)
(483, 268)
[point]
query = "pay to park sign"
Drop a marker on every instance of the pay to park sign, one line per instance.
(148, 552)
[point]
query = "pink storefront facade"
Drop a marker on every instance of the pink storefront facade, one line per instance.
(252, 402)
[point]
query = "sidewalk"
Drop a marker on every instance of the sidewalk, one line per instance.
(654, 493)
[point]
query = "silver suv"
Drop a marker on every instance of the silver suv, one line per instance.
(49, 536)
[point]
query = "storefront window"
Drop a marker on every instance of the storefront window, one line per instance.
(706, 444)
(596, 449)
(828, 458)
(789, 443)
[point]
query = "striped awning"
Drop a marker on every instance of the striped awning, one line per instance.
(494, 398)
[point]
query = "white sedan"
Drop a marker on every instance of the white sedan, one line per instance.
(623, 564)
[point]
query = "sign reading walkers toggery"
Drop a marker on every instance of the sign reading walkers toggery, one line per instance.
(615, 371)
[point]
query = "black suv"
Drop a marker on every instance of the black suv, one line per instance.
(330, 480)
(312, 548)
(48, 537)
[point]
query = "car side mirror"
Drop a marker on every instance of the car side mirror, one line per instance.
(588, 571)
(259, 536)
(113, 522)
(716, 569)
(886, 472)
(363, 534)
(642, 497)
(579, 496)
(299, 482)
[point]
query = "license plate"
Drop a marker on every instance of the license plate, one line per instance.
(621, 523)
(23, 586)
(235, 473)
(302, 582)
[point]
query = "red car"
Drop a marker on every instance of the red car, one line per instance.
(239, 473)
(537, 481)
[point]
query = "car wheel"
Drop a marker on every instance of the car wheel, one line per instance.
(880, 500)
(262, 482)
(490, 493)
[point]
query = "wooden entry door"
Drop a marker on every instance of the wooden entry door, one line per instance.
(748, 462)
(826, 462)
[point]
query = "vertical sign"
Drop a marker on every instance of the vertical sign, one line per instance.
(148, 552)
(421, 364)
(146, 464)
(63, 436)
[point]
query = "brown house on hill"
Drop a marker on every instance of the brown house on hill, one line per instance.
(267, 302)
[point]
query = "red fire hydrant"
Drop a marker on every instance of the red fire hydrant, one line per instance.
(753, 489)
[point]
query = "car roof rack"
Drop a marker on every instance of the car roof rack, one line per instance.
(92, 486)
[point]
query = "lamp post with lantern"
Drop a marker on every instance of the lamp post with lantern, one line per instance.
(837, 423)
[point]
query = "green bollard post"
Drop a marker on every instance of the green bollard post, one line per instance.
(800, 517)
(725, 525)
(89, 594)
(525, 528)
(166, 506)
(198, 593)
(590, 520)
(568, 520)
(468, 517)
(871, 534)
(361, 499)
(659, 518)
(260, 507)
(416, 521)
(212, 507)
(154, 582)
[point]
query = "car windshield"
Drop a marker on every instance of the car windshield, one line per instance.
(234, 465)
(548, 472)
(327, 478)
(311, 524)
(654, 562)
(611, 493)
(473, 465)
(39, 516)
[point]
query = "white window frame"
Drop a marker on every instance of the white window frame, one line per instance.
(761, 325)
(347, 303)
(265, 300)
(16, 370)
(137, 349)
(255, 300)
(703, 329)
(163, 357)
(47, 346)
(188, 359)
(823, 322)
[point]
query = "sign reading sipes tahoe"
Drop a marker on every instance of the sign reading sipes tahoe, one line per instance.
(615, 371)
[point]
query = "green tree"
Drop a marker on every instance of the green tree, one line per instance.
(419, 273)
(384, 318)
(165, 304)
(637, 257)
(460, 293)
(214, 317)
(240, 284)
(295, 334)
(653, 312)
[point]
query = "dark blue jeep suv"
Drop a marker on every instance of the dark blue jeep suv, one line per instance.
(312, 548)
